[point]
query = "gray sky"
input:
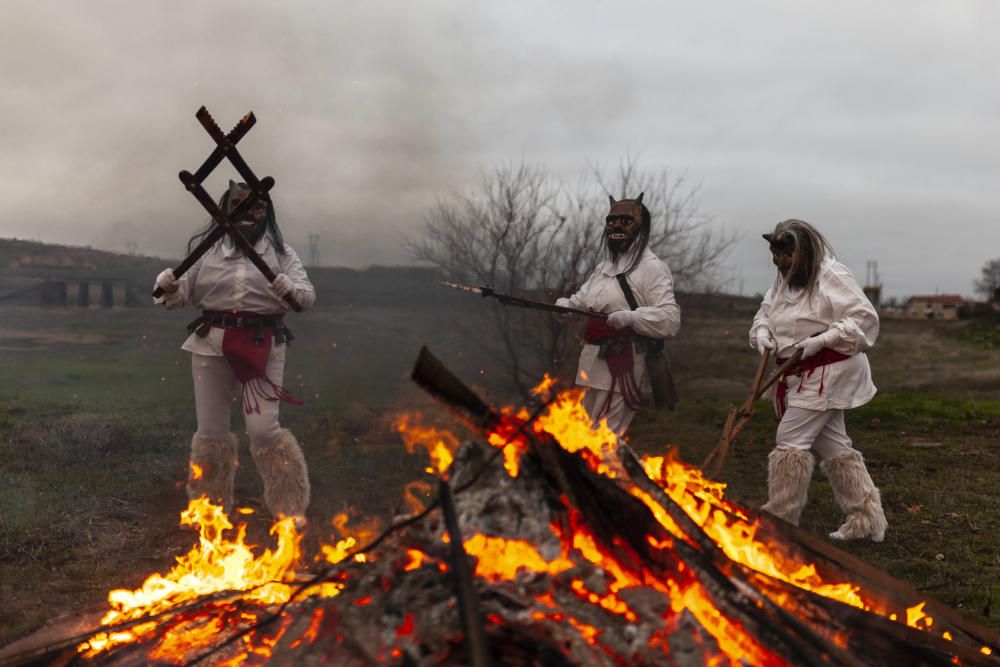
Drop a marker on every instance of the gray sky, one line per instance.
(878, 122)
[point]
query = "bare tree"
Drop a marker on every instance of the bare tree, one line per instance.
(525, 233)
(989, 281)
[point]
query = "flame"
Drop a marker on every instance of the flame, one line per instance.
(688, 594)
(916, 618)
(567, 421)
(704, 502)
(503, 436)
(588, 632)
(361, 532)
(500, 559)
(309, 636)
(417, 559)
(186, 636)
(414, 494)
(217, 563)
(440, 445)
(224, 562)
(544, 388)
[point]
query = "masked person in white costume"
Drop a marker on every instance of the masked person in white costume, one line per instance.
(240, 340)
(612, 363)
(815, 305)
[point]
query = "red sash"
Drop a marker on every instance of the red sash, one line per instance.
(248, 359)
(823, 358)
(617, 344)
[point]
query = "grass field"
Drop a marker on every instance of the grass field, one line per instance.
(96, 414)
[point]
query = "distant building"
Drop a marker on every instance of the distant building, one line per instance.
(934, 307)
(85, 293)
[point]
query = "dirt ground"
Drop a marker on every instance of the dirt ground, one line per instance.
(96, 415)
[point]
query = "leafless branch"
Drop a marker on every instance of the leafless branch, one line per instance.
(525, 233)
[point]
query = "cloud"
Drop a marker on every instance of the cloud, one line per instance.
(869, 118)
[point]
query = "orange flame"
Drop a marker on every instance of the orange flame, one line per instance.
(702, 500)
(567, 421)
(732, 638)
(414, 494)
(440, 445)
(361, 533)
(502, 436)
(544, 388)
(223, 563)
(500, 559)
(217, 563)
(916, 618)
(416, 560)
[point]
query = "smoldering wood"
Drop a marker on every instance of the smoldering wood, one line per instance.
(468, 604)
(361, 626)
(398, 611)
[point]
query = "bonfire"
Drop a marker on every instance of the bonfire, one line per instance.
(548, 543)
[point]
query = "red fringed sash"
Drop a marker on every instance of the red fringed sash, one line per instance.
(618, 343)
(804, 368)
(249, 362)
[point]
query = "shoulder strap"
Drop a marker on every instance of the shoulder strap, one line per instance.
(655, 345)
(632, 303)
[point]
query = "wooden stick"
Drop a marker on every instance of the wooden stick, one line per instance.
(469, 613)
(739, 417)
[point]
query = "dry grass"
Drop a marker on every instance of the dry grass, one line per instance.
(94, 438)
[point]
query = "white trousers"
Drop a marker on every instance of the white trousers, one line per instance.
(619, 415)
(822, 430)
(215, 393)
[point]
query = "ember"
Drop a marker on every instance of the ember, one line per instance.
(581, 555)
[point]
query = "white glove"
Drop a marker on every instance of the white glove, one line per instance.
(282, 284)
(763, 341)
(173, 300)
(167, 281)
(814, 344)
(620, 319)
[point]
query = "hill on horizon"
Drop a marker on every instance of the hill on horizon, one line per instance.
(27, 264)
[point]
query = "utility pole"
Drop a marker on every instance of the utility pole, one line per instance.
(873, 284)
(314, 250)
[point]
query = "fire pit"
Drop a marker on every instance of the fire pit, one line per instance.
(549, 544)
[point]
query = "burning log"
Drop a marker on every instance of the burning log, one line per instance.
(580, 554)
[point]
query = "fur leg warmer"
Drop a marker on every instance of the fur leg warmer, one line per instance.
(286, 478)
(789, 472)
(855, 492)
(212, 469)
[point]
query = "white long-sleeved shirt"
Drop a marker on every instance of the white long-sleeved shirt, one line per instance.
(838, 305)
(658, 315)
(225, 279)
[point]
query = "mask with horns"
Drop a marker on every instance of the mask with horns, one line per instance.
(626, 219)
